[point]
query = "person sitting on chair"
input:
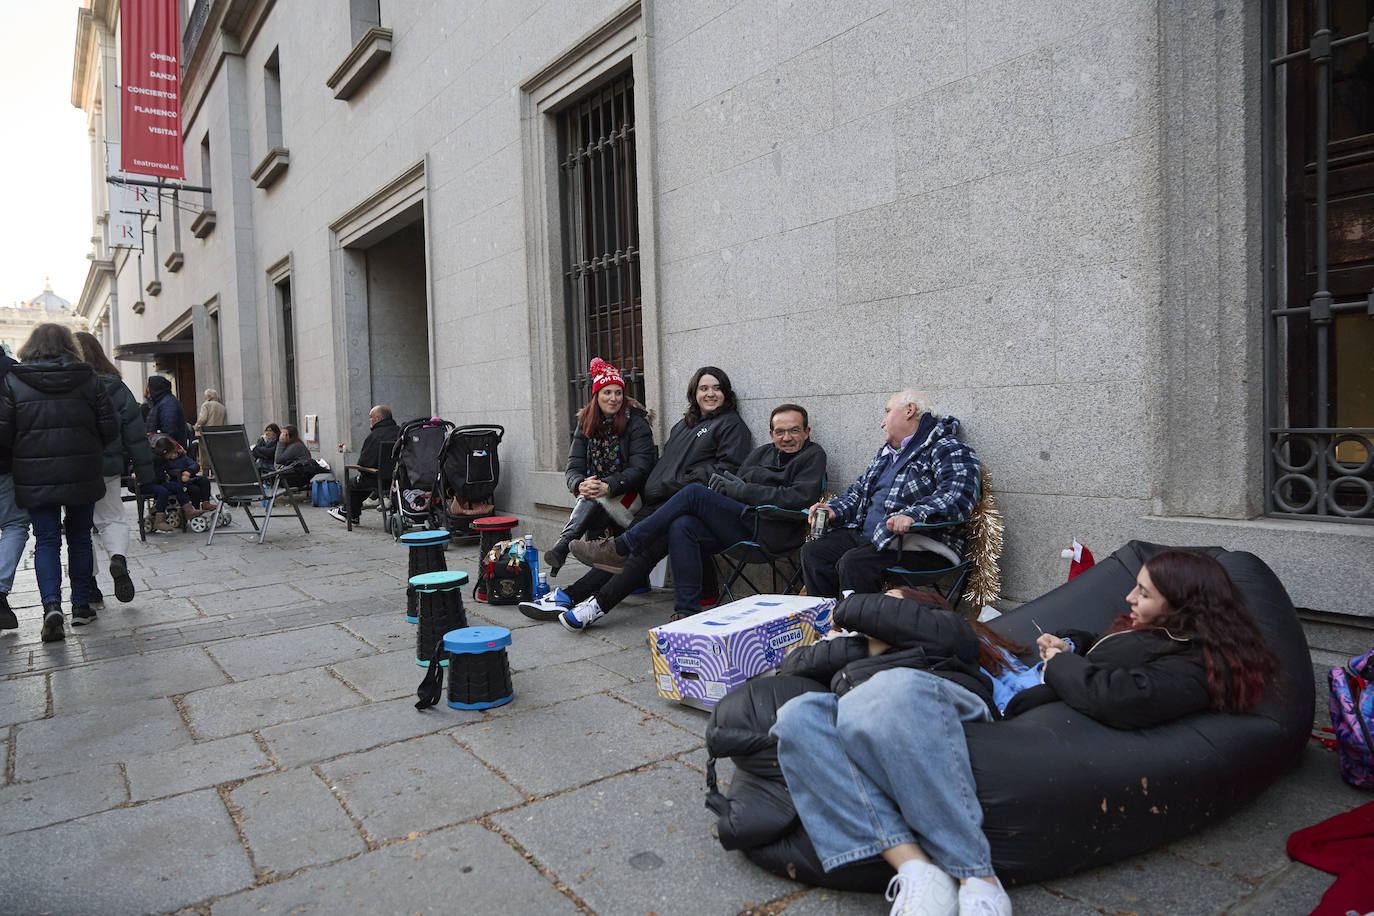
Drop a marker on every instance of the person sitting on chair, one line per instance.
(700, 521)
(922, 474)
(294, 460)
(709, 438)
(265, 449)
(171, 474)
(379, 442)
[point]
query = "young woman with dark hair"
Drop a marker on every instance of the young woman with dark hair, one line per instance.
(884, 770)
(56, 419)
(611, 455)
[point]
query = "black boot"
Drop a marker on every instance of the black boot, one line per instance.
(52, 622)
(556, 556)
(96, 598)
(7, 619)
(119, 571)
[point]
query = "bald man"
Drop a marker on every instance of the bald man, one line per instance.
(376, 447)
(922, 474)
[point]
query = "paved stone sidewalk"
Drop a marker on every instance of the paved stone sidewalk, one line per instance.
(241, 739)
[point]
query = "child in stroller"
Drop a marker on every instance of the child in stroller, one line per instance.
(176, 476)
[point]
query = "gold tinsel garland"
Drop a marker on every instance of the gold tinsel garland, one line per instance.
(984, 548)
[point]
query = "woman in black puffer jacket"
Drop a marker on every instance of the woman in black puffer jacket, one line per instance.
(57, 419)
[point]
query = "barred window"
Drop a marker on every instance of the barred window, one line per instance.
(600, 221)
(1318, 92)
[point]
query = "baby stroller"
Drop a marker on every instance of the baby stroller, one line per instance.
(469, 470)
(411, 502)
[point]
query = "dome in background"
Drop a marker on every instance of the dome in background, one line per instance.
(48, 300)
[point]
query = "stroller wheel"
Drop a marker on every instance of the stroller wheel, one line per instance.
(200, 524)
(174, 516)
(224, 517)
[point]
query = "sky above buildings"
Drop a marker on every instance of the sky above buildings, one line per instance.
(45, 158)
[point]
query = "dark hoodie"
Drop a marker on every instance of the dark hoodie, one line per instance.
(165, 414)
(56, 419)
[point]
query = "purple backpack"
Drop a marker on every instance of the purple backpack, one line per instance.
(1352, 712)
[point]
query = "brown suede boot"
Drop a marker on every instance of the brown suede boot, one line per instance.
(160, 522)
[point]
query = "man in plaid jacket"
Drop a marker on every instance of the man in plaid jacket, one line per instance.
(922, 475)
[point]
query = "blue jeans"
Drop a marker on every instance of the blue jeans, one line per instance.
(47, 556)
(887, 764)
(697, 522)
(14, 533)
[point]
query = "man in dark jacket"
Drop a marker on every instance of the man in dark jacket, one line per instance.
(699, 521)
(165, 414)
(381, 439)
(14, 524)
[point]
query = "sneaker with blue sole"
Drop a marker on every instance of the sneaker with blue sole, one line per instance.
(578, 618)
(555, 602)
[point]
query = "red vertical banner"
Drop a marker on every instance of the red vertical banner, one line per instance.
(150, 77)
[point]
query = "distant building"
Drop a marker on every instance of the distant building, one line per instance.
(19, 319)
(1086, 229)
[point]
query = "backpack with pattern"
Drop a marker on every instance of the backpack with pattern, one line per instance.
(1352, 712)
(506, 577)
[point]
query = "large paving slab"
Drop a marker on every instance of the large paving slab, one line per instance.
(291, 820)
(641, 843)
(195, 766)
(60, 798)
(23, 698)
(151, 858)
(78, 742)
(559, 747)
(550, 644)
(550, 684)
(332, 734)
(417, 786)
(387, 631)
(265, 701)
(291, 651)
(133, 677)
(466, 869)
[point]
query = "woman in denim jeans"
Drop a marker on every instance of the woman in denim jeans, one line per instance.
(884, 769)
(56, 419)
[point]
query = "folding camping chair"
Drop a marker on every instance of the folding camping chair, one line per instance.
(238, 480)
(983, 539)
(767, 547)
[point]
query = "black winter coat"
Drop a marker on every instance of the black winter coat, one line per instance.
(5, 460)
(165, 413)
(57, 420)
(1130, 679)
(377, 448)
(922, 636)
(637, 447)
(132, 444)
(718, 442)
(764, 479)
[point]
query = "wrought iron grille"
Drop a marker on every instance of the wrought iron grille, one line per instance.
(600, 214)
(195, 24)
(1318, 249)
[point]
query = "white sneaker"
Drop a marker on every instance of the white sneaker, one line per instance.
(921, 889)
(554, 602)
(579, 618)
(983, 898)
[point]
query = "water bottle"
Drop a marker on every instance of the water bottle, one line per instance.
(539, 577)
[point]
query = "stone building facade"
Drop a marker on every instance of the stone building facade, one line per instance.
(1049, 216)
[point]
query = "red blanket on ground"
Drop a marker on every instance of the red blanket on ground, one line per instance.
(1344, 846)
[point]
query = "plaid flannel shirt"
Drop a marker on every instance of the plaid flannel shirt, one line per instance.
(939, 483)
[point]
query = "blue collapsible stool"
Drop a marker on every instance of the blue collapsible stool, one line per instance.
(478, 671)
(439, 596)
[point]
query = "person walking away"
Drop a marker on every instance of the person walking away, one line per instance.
(14, 524)
(111, 523)
(56, 420)
(212, 413)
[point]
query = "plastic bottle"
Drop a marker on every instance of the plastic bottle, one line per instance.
(539, 577)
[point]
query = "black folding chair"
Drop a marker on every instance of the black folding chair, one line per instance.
(239, 482)
(767, 547)
(956, 574)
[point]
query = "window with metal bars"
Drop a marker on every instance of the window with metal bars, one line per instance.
(288, 350)
(600, 221)
(1318, 216)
